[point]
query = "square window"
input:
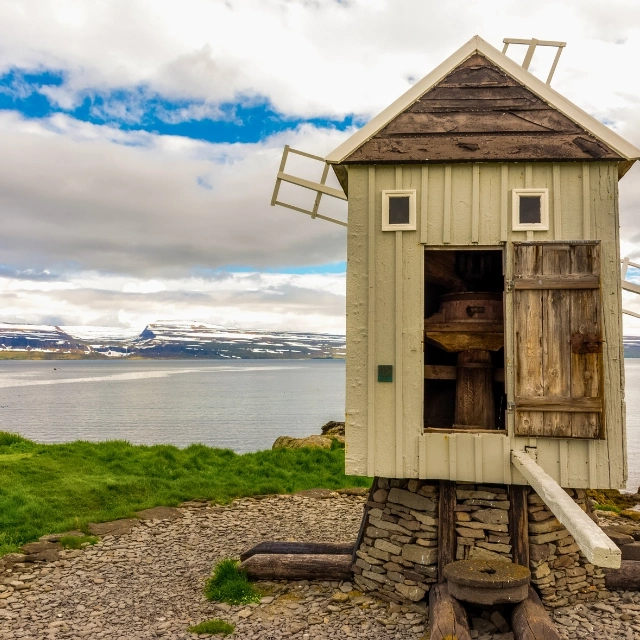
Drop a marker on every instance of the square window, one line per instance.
(399, 210)
(530, 209)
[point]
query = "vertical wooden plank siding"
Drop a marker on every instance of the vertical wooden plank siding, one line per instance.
(371, 321)
(504, 202)
(557, 203)
(586, 202)
(424, 203)
(528, 183)
(475, 204)
(359, 334)
(385, 333)
(446, 228)
(399, 366)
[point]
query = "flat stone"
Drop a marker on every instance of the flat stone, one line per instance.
(114, 528)
(425, 518)
(497, 547)
(493, 504)
(618, 538)
(413, 593)
(419, 554)
(478, 553)
(491, 516)
(385, 545)
(461, 494)
(411, 500)
(38, 547)
(388, 526)
(470, 533)
(56, 537)
(486, 526)
(551, 524)
(548, 537)
(48, 555)
(164, 513)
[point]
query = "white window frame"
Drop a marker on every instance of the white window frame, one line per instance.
(390, 193)
(543, 225)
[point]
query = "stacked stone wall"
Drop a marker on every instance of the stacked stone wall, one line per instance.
(559, 570)
(398, 552)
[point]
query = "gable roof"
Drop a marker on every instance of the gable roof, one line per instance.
(586, 131)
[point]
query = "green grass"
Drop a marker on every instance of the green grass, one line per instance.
(77, 542)
(55, 488)
(213, 626)
(229, 584)
(606, 507)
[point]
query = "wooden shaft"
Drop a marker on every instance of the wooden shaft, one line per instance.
(627, 577)
(474, 390)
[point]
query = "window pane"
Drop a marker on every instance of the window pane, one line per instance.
(399, 210)
(530, 210)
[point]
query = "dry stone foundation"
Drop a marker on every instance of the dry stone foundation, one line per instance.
(397, 554)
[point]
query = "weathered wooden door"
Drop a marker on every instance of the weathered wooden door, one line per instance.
(558, 339)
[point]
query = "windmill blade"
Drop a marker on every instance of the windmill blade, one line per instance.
(319, 187)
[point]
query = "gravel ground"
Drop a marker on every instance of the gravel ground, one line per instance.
(148, 583)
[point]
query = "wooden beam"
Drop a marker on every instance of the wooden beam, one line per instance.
(553, 403)
(314, 186)
(530, 621)
(298, 548)
(446, 526)
(272, 566)
(593, 542)
(627, 577)
(519, 524)
(449, 372)
(569, 281)
(447, 617)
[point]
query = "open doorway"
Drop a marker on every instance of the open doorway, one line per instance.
(464, 340)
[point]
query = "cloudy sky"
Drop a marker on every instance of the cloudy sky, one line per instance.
(139, 141)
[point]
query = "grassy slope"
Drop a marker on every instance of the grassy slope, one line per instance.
(53, 488)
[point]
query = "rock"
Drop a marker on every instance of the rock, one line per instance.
(39, 547)
(380, 496)
(114, 528)
(411, 500)
(56, 537)
(333, 428)
(500, 623)
(159, 513)
(551, 524)
(49, 555)
(413, 593)
(420, 555)
(312, 442)
(491, 516)
(631, 551)
(618, 538)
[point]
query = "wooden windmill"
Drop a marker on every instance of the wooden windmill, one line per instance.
(484, 344)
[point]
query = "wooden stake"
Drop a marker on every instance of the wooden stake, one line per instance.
(530, 621)
(447, 617)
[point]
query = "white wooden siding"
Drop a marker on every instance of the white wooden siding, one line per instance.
(462, 206)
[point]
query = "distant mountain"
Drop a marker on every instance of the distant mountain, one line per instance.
(164, 340)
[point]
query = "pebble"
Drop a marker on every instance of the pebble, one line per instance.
(148, 583)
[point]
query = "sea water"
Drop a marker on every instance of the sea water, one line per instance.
(242, 405)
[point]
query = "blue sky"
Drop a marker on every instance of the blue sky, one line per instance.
(140, 141)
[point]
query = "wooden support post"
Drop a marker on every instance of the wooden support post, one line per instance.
(593, 542)
(447, 617)
(519, 524)
(446, 526)
(530, 621)
(271, 566)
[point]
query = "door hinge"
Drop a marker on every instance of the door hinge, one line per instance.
(508, 286)
(532, 452)
(511, 407)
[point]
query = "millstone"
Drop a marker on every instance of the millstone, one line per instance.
(487, 582)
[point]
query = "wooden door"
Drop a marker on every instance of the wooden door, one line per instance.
(558, 339)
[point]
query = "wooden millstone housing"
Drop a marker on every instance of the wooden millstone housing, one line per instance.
(485, 382)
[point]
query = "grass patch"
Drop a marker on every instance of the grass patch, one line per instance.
(59, 487)
(606, 507)
(77, 542)
(229, 584)
(213, 626)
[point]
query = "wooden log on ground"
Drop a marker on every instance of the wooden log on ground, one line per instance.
(447, 617)
(627, 577)
(282, 547)
(293, 566)
(530, 621)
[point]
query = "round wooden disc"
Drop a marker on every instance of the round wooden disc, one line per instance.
(487, 574)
